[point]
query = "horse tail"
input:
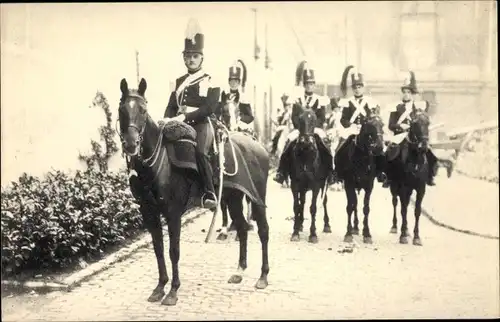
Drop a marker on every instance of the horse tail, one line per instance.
(343, 82)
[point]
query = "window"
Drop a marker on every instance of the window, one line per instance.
(458, 33)
(418, 39)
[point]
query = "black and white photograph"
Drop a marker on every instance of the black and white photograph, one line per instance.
(271, 160)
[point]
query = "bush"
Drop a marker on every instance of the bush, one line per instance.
(480, 157)
(52, 222)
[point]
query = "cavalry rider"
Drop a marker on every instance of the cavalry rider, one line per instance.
(237, 78)
(312, 101)
(282, 121)
(192, 102)
(354, 112)
(400, 118)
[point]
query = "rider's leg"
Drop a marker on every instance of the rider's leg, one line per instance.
(204, 140)
(282, 171)
(275, 141)
(433, 167)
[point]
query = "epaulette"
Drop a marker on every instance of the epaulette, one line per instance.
(393, 107)
(372, 103)
(323, 100)
(344, 102)
(420, 105)
(243, 98)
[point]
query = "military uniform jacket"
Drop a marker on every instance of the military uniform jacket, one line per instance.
(355, 110)
(193, 97)
(309, 101)
(245, 110)
(402, 114)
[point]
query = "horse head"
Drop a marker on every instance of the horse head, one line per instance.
(133, 117)
(306, 148)
(230, 114)
(418, 136)
(370, 137)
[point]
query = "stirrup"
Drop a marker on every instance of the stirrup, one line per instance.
(203, 198)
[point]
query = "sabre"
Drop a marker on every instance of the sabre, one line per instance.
(219, 193)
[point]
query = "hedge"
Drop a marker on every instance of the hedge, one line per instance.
(55, 221)
(480, 158)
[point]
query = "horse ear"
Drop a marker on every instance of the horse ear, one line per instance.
(142, 87)
(124, 87)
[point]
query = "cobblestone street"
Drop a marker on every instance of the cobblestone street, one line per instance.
(453, 275)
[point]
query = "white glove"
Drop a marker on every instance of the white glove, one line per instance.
(405, 126)
(179, 118)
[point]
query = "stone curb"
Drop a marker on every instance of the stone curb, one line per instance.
(80, 276)
(440, 224)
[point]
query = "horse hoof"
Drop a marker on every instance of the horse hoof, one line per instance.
(156, 296)
(222, 236)
(403, 240)
(170, 300)
(261, 283)
(295, 238)
(313, 239)
(348, 239)
(250, 227)
(355, 231)
(327, 229)
(394, 230)
(367, 240)
(235, 279)
(417, 241)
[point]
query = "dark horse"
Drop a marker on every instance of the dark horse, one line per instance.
(161, 187)
(408, 171)
(228, 115)
(308, 173)
(356, 166)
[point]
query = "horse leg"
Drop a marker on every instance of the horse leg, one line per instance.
(326, 219)
(302, 197)
(263, 231)
(367, 237)
(313, 238)
(394, 193)
(249, 213)
(296, 219)
(355, 230)
(351, 197)
(235, 202)
(418, 211)
(223, 230)
(405, 201)
(174, 232)
(152, 221)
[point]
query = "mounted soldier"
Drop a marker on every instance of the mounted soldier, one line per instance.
(354, 112)
(311, 101)
(282, 121)
(235, 95)
(193, 101)
(400, 119)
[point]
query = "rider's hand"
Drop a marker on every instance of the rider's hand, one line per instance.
(404, 126)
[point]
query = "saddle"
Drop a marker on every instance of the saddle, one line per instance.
(180, 142)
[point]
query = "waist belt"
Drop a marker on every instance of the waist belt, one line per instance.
(187, 109)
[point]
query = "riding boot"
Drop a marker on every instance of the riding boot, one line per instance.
(281, 174)
(209, 199)
(275, 142)
(433, 167)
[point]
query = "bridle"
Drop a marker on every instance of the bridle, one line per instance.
(154, 157)
(380, 135)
